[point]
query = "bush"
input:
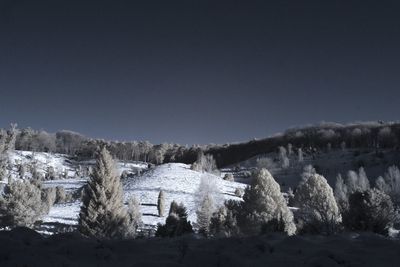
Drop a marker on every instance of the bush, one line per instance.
(48, 198)
(176, 223)
(224, 223)
(205, 163)
(318, 212)
(61, 196)
(229, 177)
(239, 192)
(371, 210)
(263, 202)
(21, 204)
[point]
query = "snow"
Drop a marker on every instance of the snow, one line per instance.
(178, 182)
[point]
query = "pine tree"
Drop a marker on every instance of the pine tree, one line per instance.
(208, 198)
(318, 211)
(263, 205)
(103, 214)
(204, 214)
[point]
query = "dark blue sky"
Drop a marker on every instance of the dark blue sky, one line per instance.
(196, 71)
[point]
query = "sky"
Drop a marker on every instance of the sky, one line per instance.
(196, 72)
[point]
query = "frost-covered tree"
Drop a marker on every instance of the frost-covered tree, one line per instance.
(289, 149)
(7, 145)
(341, 193)
(208, 198)
(266, 163)
(134, 218)
(103, 214)
(161, 203)
(50, 173)
(318, 211)
(308, 171)
(300, 156)
(371, 210)
(224, 223)
(283, 157)
(176, 223)
(61, 195)
(391, 184)
(380, 184)
(205, 163)
(204, 214)
(357, 182)
(264, 205)
(21, 204)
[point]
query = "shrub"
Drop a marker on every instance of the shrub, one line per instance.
(21, 204)
(229, 177)
(61, 196)
(318, 211)
(371, 210)
(223, 223)
(48, 199)
(205, 163)
(239, 192)
(264, 202)
(176, 223)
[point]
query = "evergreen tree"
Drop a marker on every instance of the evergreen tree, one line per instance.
(264, 204)
(318, 211)
(204, 214)
(103, 214)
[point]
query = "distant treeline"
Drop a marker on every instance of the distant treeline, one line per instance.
(374, 135)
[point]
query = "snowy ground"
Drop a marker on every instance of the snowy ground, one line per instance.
(177, 181)
(24, 247)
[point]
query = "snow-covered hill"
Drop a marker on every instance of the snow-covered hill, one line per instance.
(177, 180)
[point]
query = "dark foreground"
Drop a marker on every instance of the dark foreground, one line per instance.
(23, 247)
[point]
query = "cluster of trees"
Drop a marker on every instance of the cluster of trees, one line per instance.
(322, 137)
(76, 144)
(317, 208)
(368, 208)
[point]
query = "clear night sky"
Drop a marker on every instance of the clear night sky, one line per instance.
(196, 71)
